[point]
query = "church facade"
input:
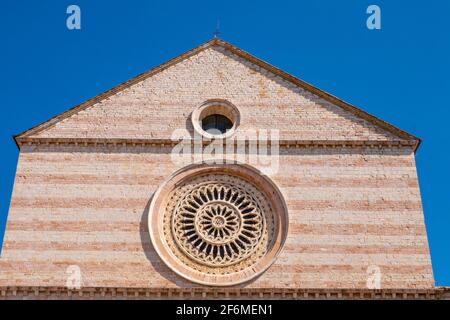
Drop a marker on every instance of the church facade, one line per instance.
(216, 175)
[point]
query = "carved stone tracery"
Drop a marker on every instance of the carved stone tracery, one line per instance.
(218, 224)
(217, 227)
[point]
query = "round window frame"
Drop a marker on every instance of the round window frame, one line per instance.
(212, 107)
(246, 172)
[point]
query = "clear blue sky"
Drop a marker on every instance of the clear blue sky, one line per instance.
(400, 73)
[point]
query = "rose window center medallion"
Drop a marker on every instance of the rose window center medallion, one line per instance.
(217, 227)
(217, 223)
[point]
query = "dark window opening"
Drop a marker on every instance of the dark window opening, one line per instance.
(216, 124)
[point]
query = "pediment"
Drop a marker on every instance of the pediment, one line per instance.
(152, 105)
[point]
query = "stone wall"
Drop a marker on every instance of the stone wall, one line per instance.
(349, 208)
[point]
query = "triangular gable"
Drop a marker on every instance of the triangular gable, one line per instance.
(218, 43)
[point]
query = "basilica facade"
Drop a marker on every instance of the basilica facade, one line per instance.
(216, 175)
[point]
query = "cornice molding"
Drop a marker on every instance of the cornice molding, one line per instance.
(169, 142)
(17, 293)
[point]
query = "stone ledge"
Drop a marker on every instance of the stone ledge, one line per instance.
(45, 293)
(171, 143)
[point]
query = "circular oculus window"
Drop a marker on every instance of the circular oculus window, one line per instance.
(218, 225)
(215, 119)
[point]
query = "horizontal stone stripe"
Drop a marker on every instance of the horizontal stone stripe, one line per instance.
(93, 279)
(153, 156)
(284, 259)
(262, 284)
(296, 280)
(386, 269)
(88, 179)
(356, 258)
(347, 276)
(128, 154)
(277, 169)
(364, 205)
(52, 281)
(147, 276)
(328, 215)
(127, 112)
(283, 181)
(78, 255)
(294, 229)
(83, 159)
(125, 120)
(76, 236)
(74, 214)
(147, 247)
(88, 226)
(348, 229)
(78, 246)
(164, 133)
(136, 203)
(320, 272)
(361, 217)
(351, 249)
(39, 202)
(141, 131)
(95, 168)
(156, 115)
(381, 181)
(295, 193)
(354, 193)
(356, 239)
(295, 216)
(285, 169)
(118, 154)
(167, 106)
(124, 117)
(294, 240)
(343, 160)
(61, 265)
(35, 191)
(153, 167)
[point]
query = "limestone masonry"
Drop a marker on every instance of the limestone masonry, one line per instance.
(96, 188)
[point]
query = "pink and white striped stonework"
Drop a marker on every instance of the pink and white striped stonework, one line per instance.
(89, 192)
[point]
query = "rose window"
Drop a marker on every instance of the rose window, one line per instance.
(215, 226)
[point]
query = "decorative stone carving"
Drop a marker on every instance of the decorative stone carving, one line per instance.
(218, 225)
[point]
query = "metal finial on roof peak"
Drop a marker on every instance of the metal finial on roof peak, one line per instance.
(217, 31)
